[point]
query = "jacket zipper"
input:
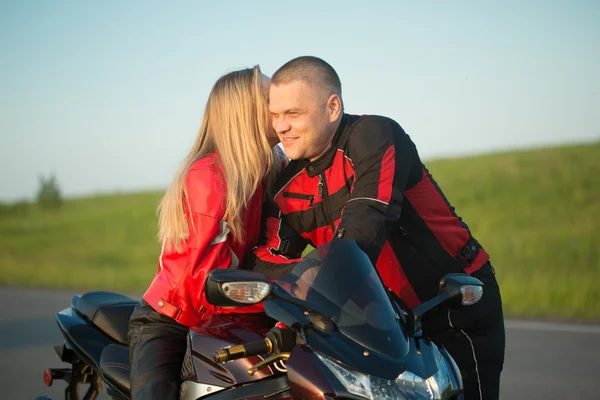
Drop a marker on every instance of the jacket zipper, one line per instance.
(300, 196)
(324, 195)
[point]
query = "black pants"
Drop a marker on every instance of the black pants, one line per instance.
(157, 347)
(474, 336)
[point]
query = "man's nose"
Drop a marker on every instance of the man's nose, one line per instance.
(280, 125)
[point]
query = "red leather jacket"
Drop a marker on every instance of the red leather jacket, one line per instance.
(177, 290)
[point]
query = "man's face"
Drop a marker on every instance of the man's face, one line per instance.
(301, 119)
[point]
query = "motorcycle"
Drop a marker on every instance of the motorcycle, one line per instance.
(330, 331)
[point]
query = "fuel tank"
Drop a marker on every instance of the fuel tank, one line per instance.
(224, 330)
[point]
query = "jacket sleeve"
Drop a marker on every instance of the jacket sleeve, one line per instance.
(207, 247)
(383, 157)
(279, 247)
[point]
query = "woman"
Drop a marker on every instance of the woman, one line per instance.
(209, 218)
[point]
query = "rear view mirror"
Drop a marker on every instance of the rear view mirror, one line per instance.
(236, 287)
(462, 287)
(456, 288)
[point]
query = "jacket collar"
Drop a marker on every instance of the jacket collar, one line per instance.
(326, 160)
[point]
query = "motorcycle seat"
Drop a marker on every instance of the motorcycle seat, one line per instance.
(108, 311)
(114, 365)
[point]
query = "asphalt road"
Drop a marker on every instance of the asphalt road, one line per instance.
(543, 360)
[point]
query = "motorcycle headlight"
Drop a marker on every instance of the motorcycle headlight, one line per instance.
(444, 384)
(355, 382)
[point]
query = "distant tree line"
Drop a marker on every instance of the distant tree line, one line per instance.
(48, 197)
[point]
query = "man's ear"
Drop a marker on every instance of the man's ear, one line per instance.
(334, 107)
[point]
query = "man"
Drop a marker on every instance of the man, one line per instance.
(360, 177)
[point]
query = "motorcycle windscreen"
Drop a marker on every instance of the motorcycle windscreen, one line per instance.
(339, 280)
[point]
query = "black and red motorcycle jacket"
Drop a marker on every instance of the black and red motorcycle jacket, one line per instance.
(370, 186)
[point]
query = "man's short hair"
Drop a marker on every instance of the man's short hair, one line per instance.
(311, 70)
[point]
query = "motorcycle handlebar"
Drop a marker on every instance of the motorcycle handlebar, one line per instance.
(244, 350)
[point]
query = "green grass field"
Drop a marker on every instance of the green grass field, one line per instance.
(537, 213)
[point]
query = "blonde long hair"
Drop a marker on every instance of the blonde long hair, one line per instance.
(235, 125)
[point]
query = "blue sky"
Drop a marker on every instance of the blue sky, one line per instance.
(109, 94)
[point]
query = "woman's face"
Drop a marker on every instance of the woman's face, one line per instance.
(271, 134)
